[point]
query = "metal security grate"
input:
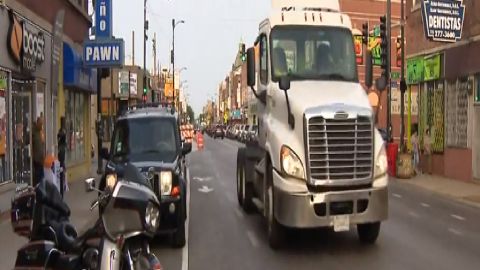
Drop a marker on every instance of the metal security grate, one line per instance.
(340, 149)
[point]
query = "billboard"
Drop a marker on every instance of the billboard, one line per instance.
(126, 84)
(169, 87)
(443, 19)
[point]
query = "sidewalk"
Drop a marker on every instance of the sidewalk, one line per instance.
(466, 192)
(78, 201)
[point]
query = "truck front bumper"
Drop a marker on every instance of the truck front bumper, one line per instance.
(299, 208)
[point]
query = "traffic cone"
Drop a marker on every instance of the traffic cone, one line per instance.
(199, 141)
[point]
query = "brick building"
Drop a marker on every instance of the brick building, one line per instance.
(447, 76)
(361, 11)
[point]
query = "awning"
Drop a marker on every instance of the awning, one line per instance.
(75, 74)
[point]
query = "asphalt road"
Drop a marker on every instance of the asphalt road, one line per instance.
(424, 230)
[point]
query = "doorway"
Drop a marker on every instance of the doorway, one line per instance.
(476, 143)
(22, 127)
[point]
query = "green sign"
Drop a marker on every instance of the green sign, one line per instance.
(415, 70)
(395, 75)
(431, 67)
(3, 84)
(374, 47)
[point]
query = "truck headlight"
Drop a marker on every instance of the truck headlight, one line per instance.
(290, 163)
(111, 180)
(165, 182)
(380, 170)
(152, 214)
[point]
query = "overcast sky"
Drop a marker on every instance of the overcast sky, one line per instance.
(206, 44)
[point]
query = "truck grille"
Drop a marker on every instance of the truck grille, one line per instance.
(340, 149)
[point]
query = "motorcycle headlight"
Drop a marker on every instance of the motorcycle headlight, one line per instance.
(166, 182)
(291, 163)
(111, 181)
(380, 170)
(152, 217)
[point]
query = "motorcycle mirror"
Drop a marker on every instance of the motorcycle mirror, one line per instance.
(90, 184)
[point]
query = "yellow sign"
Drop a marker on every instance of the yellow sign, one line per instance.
(169, 87)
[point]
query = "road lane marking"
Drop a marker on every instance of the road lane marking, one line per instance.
(185, 248)
(413, 214)
(426, 205)
(239, 213)
(397, 195)
(458, 217)
(454, 231)
(252, 238)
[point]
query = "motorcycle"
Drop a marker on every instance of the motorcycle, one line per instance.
(130, 216)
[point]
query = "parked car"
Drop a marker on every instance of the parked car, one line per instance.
(219, 132)
(244, 133)
(252, 133)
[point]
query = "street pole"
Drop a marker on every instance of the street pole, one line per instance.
(389, 66)
(402, 75)
(154, 61)
(99, 120)
(145, 26)
(173, 62)
(129, 85)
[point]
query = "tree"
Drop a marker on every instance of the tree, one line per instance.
(190, 114)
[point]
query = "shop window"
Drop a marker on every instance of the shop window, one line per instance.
(75, 125)
(4, 164)
(457, 113)
(432, 114)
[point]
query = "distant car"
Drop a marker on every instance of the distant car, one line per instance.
(244, 133)
(219, 132)
(252, 133)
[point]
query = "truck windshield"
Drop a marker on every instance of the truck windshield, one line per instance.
(313, 53)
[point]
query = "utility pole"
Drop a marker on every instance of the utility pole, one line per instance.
(145, 37)
(99, 121)
(403, 85)
(173, 61)
(389, 67)
(154, 61)
(133, 48)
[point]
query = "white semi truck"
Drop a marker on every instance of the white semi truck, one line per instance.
(318, 161)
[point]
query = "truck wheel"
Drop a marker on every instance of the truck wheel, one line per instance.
(276, 232)
(244, 189)
(240, 159)
(368, 233)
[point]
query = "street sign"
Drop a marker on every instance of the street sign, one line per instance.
(103, 19)
(104, 53)
(443, 19)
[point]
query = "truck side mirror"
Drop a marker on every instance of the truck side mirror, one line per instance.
(368, 70)
(284, 83)
(251, 67)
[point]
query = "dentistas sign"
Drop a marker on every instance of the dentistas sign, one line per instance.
(443, 19)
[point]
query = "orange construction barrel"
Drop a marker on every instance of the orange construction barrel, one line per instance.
(199, 141)
(392, 151)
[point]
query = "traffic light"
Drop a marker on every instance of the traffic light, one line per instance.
(144, 86)
(365, 33)
(384, 53)
(243, 54)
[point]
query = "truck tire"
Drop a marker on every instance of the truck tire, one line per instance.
(368, 233)
(276, 232)
(244, 189)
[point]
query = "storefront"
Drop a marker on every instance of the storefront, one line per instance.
(79, 84)
(25, 95)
